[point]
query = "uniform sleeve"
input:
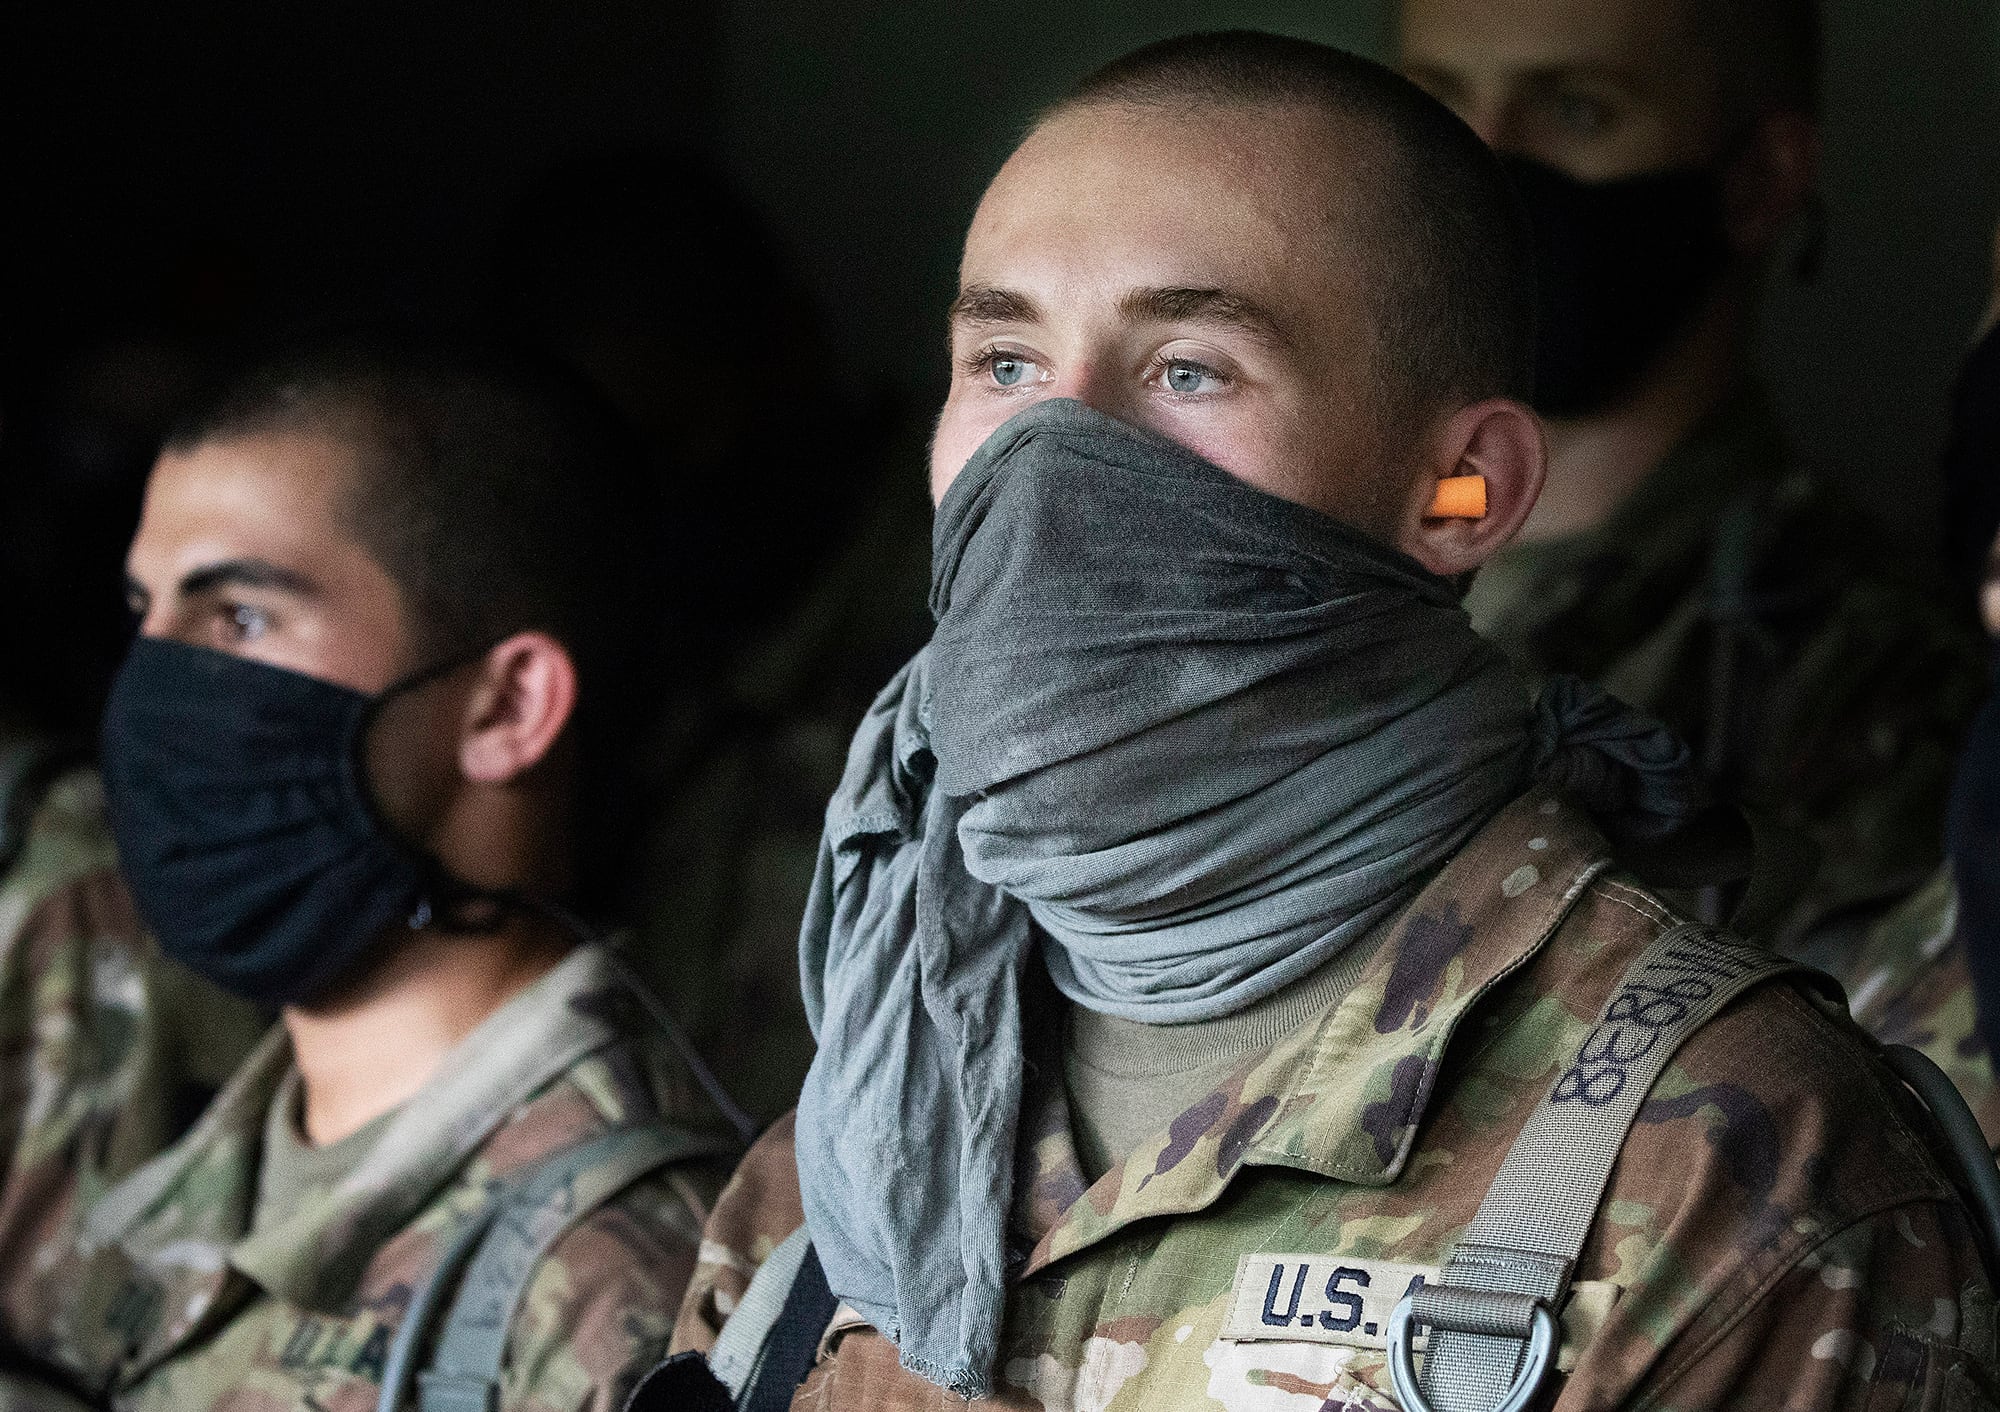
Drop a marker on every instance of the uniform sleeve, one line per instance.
(1891, 1313)
(599, 1311)
(756, 1211)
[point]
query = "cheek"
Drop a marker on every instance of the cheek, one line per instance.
(962, 429)
(1279, 458)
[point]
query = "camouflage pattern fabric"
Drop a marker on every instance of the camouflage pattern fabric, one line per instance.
(744, 776)
(107, 1050)
(153, 1292)
(1776, 1232)
(1800, 691)
(1908, 984)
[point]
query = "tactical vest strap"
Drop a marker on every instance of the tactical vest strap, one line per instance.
(499, 1251)
(1492, 1312)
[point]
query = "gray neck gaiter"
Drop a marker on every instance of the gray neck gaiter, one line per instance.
(1195, 740)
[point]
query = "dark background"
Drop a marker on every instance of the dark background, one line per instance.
(183, 177)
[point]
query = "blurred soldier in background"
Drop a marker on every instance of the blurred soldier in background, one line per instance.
(788, 529)
(1928, 974)
(346, 761)
(1663, 149)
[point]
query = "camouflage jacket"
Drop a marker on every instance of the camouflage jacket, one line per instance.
(1908, 984)
(107, 1050)
(153, 1292)
(1780, 635)
(1776, 1232)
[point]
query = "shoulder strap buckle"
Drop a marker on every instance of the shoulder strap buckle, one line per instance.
(1509, 1318)
(1493, 1306)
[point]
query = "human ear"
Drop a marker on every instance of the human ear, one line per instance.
(1498, 440)
(1770, 182)
(516, 711)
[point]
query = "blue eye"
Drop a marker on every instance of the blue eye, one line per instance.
(1185, 378)
(1009, 371)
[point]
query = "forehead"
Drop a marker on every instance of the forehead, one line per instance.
(277, 495)
(1634, 38)
(1257, 199)
(1631, 37)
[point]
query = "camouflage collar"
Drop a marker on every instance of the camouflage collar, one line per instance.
(187, 1212)
(1341, 1098)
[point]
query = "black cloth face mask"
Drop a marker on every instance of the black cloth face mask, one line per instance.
(239, 800)
(1620, 267)
(1972, 825)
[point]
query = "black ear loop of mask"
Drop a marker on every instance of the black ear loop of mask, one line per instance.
(445, 901)
(462, 907)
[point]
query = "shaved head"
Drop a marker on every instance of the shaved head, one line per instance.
(1420, 203)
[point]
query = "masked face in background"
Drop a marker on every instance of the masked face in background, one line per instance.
(1972, 528)
(1621, 267)
(1629, 127)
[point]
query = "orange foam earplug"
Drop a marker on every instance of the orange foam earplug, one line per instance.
(1459, 498)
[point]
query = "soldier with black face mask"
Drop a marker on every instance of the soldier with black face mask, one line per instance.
(1663, 150)
(1928, 974)
(353, 764)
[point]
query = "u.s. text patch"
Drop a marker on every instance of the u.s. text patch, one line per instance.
(1318, 1298)
(1344, 1300)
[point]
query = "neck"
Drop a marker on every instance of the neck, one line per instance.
(1597, 462)
(372, 1046)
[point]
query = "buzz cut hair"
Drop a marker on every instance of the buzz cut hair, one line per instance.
(1446, 253)
(498, 494)
(482, 483)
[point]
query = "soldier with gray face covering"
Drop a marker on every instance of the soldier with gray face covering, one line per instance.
(1211, 943)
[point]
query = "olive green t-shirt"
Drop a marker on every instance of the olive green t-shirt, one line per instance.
(1127, 1079)
(292, 1170)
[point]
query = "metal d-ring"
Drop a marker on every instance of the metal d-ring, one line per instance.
(1535, 1367)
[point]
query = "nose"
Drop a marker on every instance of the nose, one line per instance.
(1491, 123)
(155, 622)
(1088, 381)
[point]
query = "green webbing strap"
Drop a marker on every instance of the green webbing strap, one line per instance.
(423, 1304)
(1492, 1313)
(499, 1250)
(464, 1375)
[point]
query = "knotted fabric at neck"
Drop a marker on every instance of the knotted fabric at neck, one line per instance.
(1190, 738)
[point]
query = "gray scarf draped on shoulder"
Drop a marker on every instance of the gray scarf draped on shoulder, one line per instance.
(1182, 740)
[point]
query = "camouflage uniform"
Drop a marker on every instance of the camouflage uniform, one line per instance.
(107, 1050)
(150, 1290)
(745, 777)
(1776, 1232)
(1726, 588)
(1908, 984)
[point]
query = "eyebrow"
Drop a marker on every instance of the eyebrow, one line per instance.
(232, 573)
(1591, 70)
(980, 304)
(984, 304)
(1205, 306)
